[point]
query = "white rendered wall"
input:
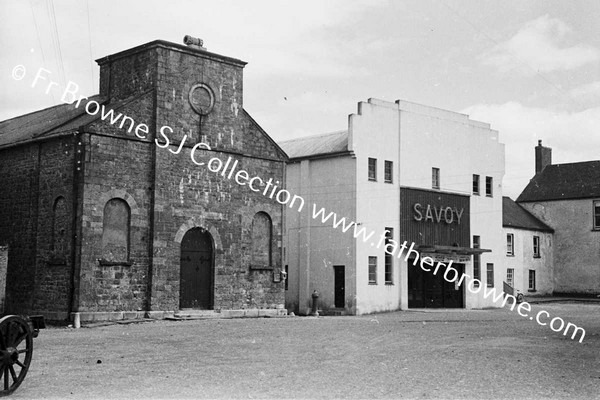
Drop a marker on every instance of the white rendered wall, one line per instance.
(577, 245)
(523, 260)
(314, 248)
(374, 134)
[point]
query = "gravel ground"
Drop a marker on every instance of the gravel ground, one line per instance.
(480, 354)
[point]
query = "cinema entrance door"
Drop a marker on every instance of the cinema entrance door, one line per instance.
(426, 290)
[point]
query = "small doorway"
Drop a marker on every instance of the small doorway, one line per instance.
(339, 286)
(426, 290)
(196, 270)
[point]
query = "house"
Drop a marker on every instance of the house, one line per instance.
(566, 197)
(120, 205)
(529, 266)
(400, 174)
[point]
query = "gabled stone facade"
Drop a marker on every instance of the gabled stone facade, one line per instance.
(110, 204)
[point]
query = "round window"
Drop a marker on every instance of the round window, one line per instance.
(201, 99)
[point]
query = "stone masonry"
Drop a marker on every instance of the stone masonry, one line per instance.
(92, 162)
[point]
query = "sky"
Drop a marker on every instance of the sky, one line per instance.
(529, 68)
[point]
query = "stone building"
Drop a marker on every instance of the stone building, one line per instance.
(566, 197)
(127, 204)
(401, 172)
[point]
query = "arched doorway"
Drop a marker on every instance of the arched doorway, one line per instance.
(196, 270)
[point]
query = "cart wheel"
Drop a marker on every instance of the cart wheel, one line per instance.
(16, 349)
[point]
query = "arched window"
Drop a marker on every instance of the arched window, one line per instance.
(262, 233)
(60, 227)
(115, 231)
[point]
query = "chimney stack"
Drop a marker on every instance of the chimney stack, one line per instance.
(543, 157)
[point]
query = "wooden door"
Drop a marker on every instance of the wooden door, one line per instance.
(339, 283)
(196, 270)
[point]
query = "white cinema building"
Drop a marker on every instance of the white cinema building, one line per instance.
(426, 175)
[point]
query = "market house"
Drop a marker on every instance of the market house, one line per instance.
(106, 222)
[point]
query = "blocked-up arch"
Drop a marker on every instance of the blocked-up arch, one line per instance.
(116, 230)
(262, 239)
(60, 226)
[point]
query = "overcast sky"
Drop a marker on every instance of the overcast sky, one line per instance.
(530, 68)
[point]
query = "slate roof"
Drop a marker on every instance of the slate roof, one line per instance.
(317, 145)
(579, 180)
(48, 122)
(515, 216)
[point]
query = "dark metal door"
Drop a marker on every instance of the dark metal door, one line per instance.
(453, 296)
(339, 283)
(196, 274)
(426, 290)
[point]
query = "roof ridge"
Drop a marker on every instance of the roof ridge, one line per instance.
(61, 104)
(315, 136)
(573, 163)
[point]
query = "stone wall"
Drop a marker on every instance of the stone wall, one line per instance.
(171, 193)
(3, 269)
(37, 174)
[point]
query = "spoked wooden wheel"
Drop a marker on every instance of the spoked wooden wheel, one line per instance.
(16, 349)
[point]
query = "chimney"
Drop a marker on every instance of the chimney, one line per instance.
(543, 157)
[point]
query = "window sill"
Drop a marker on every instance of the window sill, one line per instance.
(532, 290)
(372, 180)
(537, 256)
(510, 255)
(490, 285)
(489, 195)
(373, 283)
(106, 263)
(389, 283)
(476, 194)
(390, 182)
(261, 267)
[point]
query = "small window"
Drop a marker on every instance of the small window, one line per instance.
(510, 273)
(531, 280)
(488, 186)
(388, 172)
(287, 274)
(476, 184)
(490, 275)
(372, 270)
(435, 178)
(597, 215)
(476, 261)
(389, 258)
(536, 247)
(510, 244)
(372, 169)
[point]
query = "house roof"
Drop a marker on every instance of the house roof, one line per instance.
(328, 144)
(515, 216)
(52, 121)
(564, 181)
